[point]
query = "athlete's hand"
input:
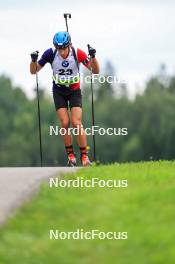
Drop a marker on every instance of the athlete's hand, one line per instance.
(92, 51)
(34, 56)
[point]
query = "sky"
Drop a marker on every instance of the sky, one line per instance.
(136, 36)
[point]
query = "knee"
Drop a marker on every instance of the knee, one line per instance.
(76, 122)
(65, 123)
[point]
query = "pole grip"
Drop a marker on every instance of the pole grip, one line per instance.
(88, 47)
(67, 15)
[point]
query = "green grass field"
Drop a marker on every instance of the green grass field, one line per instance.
(146, 210)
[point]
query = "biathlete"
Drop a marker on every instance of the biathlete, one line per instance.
(65, 60)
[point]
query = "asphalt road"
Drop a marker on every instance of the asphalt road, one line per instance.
(19, 184)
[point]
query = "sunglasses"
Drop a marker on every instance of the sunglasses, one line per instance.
(61, 48)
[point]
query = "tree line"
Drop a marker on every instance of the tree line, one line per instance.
(149, 120)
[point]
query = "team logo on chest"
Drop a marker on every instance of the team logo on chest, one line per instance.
(65, 63)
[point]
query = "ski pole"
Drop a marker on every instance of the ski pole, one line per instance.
(39, 119)
(67, 15)
(92, 109)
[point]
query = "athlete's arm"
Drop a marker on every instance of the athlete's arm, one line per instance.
(83, 58)
(94, 65)
(35, 67)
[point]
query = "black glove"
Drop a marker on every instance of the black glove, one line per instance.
(92, 51)
(34, 56)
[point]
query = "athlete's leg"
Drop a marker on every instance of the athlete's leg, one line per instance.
(76, 119)
(63, 117)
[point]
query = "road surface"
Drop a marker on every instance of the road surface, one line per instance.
(18, 184)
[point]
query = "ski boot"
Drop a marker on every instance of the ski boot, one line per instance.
(71, 160)
(85, 160)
